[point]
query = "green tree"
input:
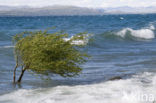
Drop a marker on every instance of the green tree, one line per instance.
(42, 52)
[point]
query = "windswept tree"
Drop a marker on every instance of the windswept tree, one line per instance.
(44, 53)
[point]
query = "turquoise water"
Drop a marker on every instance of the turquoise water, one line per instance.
(123, 47)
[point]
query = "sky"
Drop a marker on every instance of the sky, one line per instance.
(81, 3)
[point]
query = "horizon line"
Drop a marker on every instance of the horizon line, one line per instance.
(30, 6)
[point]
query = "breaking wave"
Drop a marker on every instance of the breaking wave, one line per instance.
(144, 33)
(138, 89)
(77, 42)
(80, 42)
(141, 33)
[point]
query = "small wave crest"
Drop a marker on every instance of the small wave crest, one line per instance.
(79, 42)
(7, 46)
(152, 27)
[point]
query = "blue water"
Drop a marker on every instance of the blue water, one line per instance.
(122, 46)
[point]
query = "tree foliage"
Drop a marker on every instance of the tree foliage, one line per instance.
(43, 53)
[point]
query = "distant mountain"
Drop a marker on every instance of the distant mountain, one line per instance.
(130, 10)
(48, 11)
(58, 10)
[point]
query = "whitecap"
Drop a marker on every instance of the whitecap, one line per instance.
(121, 18)
(79, 42)
(7, 46)
(152, 27)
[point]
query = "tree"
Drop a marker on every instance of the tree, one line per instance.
(44, 53)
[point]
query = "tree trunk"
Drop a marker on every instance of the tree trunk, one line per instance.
(22, 73)
(14, 75)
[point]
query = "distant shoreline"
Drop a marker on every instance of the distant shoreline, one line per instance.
(72, 11)
(69, 15)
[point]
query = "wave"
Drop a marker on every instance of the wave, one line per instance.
(140, 33)
(7, 46)
(152, 27)
(147, 33)
(138, 89)
(4, 36)
(79, 42)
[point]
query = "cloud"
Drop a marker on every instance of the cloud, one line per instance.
(82, 3)
(130, 3)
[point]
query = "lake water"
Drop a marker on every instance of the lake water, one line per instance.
(123, 46)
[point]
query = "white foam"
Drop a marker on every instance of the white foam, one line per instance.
(7, 47)
(145, 33)
(121, 18)
(152, 27)
(138, 89)
(78, 42)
